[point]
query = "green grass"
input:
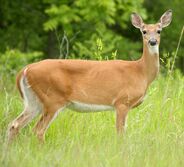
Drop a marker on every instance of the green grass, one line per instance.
(154, 136)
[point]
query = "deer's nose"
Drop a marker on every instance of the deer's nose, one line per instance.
(152, 42)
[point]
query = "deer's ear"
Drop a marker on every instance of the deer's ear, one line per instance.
(136, 20)
(166, 18)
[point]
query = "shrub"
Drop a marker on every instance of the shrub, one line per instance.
(11, 62)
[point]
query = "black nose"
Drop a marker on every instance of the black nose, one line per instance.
(153, 42)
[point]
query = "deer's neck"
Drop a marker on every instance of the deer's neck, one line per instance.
(150, 60)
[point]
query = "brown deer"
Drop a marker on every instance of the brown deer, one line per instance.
(49, 86)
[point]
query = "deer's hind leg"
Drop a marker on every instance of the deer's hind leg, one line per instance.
(32, 106)
(48, 115)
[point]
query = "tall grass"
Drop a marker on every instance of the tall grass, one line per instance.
(154, 136)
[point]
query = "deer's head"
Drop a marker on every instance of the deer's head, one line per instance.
(151, 32)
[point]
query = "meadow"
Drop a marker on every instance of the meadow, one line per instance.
(154, 134)
(34, 30)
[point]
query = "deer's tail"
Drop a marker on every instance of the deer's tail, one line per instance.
(18, 79)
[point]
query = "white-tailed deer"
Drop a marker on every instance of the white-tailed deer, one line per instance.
(51, 85)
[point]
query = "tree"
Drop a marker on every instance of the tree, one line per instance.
(85, 21)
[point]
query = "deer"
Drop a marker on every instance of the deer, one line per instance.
(49, 86)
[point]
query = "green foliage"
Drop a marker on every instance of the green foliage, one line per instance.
(92, 20)
(63, 15)
(21, 25)
(14, 60)
(11, 62)
(37, 25)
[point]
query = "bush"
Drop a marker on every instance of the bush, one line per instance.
(11, 62)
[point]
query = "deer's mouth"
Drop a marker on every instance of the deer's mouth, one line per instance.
(153, 49)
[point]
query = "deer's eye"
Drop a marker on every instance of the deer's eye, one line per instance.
(144, 32)
(158, 31)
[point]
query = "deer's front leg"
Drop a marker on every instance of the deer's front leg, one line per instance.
(121, 113)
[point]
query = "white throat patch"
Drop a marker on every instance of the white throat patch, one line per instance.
(153, 49)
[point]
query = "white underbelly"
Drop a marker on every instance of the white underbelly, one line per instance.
(84, 107)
